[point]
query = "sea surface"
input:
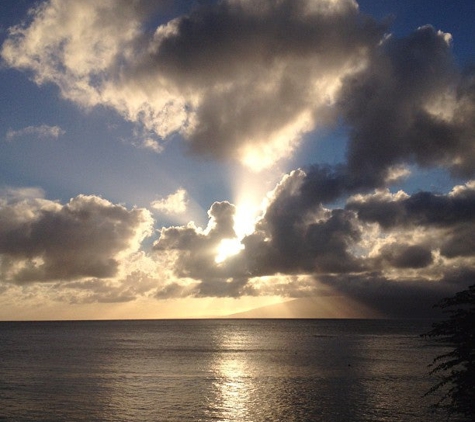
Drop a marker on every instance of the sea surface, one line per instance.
(216, 370)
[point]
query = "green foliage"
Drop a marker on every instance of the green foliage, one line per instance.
(457, 367)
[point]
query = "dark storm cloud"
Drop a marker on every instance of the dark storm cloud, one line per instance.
(409, 105)
(407, 256)
(460, 242)
(395, 299)
(449, 219)
(255, 63)
(420, 209)
(296, 234)
(402, 298)
(235, 34)
(41, 240)
(416, 247)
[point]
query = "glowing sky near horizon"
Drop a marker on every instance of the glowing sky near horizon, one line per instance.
(192, 159)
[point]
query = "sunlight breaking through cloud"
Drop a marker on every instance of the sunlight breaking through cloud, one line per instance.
(251, 85)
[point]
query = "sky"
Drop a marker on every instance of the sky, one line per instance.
(189, 159)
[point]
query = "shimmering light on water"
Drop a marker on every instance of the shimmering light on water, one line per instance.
(215, 370)
(232, 390)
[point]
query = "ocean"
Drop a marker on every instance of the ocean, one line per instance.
(216, 370)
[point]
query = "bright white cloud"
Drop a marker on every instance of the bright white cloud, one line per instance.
(175, 203)
(74, 44)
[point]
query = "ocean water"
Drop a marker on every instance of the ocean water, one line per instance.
(216, 370)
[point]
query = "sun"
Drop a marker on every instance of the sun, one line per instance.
(244, 224)
(249, 189)
(227, 248)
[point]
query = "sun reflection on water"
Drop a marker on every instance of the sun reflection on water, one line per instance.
(232, 388)
(232, 385)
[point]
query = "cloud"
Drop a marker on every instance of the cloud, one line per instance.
(246, 80)
(43, 240)
(267, 251)
(392, 240)
(422, 209)
(392, 298)
(411, 104)
(72, 44)
(260, 87)
(297, 234)
(43, 131)
(173, 203)
(407, 256)
(195, 249)
(395, 265)
(129, 288)
(239, 79)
